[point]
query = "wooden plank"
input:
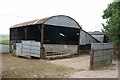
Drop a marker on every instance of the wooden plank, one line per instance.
(58, 55)
(72, 49)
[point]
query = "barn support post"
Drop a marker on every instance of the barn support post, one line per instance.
(91, 59)
(16, 35)
(14, 43)
(25, 29)
(42, 49)
(10, 43)
(78, 52)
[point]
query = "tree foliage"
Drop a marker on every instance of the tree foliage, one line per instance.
(112, 26)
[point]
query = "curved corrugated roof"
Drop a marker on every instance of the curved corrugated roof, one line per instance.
(71, 22)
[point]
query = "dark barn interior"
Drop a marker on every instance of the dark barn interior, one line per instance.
(52, 34)
(25, 33)
(60, 35)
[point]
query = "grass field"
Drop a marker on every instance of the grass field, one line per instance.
(4, 40)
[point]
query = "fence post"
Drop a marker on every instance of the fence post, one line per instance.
(42, 53)
(91, 59)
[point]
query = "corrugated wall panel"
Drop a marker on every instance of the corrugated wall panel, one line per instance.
(101, 46)
(99, 37)
(83, 39)
(86, 38)
(102, 53)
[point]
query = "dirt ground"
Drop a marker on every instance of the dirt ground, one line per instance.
(81, 64)
(77, 67)
(15, 67)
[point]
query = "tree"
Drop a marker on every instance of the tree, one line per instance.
(112, 26)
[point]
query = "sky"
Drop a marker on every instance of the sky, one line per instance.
(88, 13)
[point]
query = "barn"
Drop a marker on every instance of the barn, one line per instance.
(56, 35)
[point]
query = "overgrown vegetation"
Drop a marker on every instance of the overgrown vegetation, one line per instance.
(112, 25)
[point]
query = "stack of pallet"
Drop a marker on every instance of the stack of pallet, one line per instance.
(28, 48)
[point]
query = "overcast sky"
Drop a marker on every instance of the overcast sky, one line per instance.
(87, 13)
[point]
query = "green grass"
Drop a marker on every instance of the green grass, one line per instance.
(4, 42)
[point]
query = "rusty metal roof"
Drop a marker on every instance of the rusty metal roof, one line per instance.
(33, 22)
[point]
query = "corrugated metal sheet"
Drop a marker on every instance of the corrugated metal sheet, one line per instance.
(60, 20)
(86, 38)
(100, 55)
(38, 21)
(99, 37)
(99, 46)
(102, 52)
